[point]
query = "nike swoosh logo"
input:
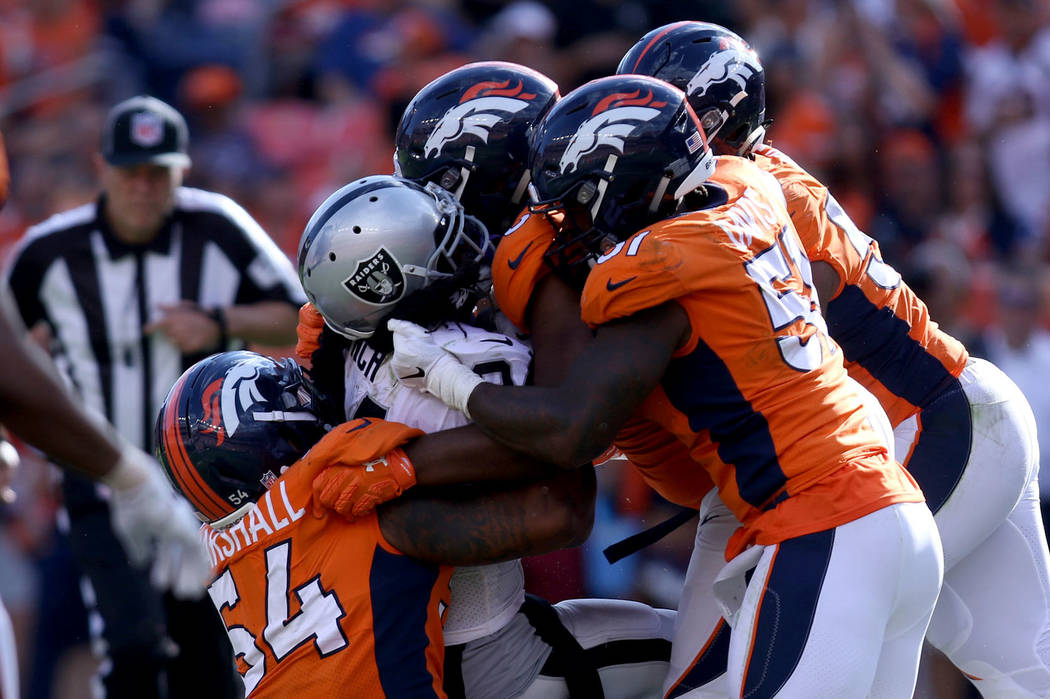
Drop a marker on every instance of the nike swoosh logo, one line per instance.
(418, 375)
(513, 264)
(366, 422)
(708, 518)
(613, 286)
(502, 340)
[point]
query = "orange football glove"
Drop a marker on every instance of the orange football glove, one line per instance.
(363, 466)
(308, 334)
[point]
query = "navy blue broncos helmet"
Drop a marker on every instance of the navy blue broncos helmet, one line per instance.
(230, 425)
(468, 131)
(720, 73)
(616, 154)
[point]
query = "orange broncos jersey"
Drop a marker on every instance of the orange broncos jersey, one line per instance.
(901, 357)
(325, 607)
(663, 461)
(758, 393)
(518, 264)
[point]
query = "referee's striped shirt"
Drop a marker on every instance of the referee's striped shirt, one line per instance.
(97, 293)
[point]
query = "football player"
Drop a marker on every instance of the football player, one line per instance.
(242, 438)
(706, 325)
(963, 429)
(467, 131)
(386, 246)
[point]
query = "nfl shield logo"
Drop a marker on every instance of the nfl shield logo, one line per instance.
(377, 280)
(147, 129)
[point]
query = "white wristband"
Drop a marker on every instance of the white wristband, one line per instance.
(453, 383)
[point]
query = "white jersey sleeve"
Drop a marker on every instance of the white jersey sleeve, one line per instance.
(372, 388)
(483, 598)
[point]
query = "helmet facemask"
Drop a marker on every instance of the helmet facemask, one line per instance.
(465, 241)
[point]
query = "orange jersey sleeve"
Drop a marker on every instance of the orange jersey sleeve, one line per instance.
(758, 392)
(518, 265)
(325, 607)
(903, 358)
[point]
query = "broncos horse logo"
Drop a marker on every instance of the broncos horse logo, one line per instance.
(229, 397)
(612, 121)
(480, 108)
(737, 66)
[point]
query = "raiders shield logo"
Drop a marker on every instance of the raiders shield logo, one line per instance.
(377, 280)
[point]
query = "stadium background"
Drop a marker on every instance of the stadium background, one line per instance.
(929, 120)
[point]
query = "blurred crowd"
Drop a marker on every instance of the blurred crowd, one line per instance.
(928, 119)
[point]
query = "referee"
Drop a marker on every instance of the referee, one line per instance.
(128, 291)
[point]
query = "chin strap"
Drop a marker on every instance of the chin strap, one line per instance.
(603, 184)
(464, 173)
(752, 140)
(284, 416)
(525, 183)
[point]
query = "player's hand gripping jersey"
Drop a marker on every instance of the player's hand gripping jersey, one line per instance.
(484, 598)
(912, 359)
(321, 607)
(749, 393)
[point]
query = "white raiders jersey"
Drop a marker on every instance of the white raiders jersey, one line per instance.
(483, 598)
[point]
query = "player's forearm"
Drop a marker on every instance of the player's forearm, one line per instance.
(35, 405)
(476, 528)
(266, 323)
(542, 422)
(468, 455)
(576, 421)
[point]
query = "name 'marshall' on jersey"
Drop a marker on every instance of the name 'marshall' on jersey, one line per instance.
(264, 518)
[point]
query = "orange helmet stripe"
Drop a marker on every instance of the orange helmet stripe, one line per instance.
(655, 39)
(206, 500)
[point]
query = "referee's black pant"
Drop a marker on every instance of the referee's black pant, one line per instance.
(155, 645)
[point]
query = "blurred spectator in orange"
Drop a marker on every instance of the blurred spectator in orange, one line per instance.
(967, 216)
(805, 123)
(977, 21)
(224, 152)
(46, 38)
(281, 208)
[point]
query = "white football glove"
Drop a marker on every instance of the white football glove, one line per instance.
(421, 363)
(150, 518)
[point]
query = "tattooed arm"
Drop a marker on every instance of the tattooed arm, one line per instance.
(470, 526)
